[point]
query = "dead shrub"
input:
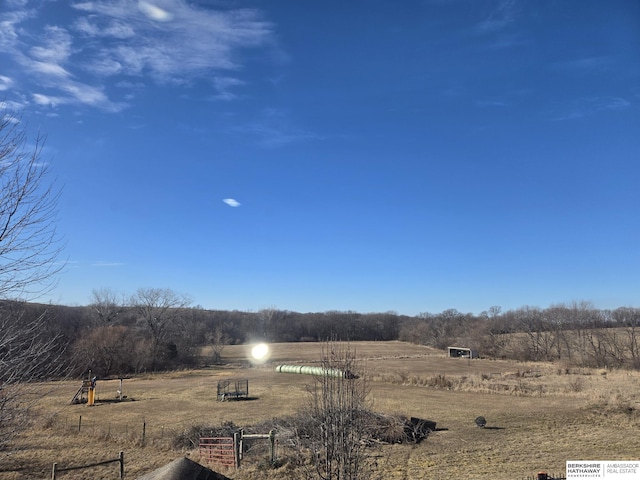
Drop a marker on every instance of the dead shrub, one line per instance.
(576, 384)
(440, 381)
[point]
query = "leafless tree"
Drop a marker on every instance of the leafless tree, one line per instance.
(629, 319)
(29, 252)
(538, 340)
(338, 408)
(217, 339)
(106, 305)
(604, 349)
(29, 244)
(268, 319)
(28, 353)
(107, 350)
(159, 312)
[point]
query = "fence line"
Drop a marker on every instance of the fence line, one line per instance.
(140, 433)
(79, 425)
(55, 470)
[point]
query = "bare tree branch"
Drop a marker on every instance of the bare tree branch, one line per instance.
(29, 250)
(28, 353)
(338, 408)
(159, 312)
(106, 305)
(29, 244)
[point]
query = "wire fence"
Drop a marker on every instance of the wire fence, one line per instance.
(140, 433)
(56, 470)
(132, 432)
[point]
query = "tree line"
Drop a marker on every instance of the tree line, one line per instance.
(158, 329)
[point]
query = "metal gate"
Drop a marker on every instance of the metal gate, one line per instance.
(218, 451)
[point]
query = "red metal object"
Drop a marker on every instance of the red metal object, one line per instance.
(218, 451)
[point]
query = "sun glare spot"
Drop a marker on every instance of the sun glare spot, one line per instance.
(260, 351)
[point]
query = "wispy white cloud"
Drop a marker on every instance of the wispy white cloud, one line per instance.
(48, 100)
(90, 27)
(585, 64)
(5, 82)
(497, 29)
(223, 87)
(501, 15)
(10, 21)
(103, 264)
(189, 41)
(104, 67)
(273, 128)
(101, 44)
(232, 202)
(491, 103)
(590, 106)
(275, 136)
(11, 106)
(73, 93)
(49, 69)
(55, 47)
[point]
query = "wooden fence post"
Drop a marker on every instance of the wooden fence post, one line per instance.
(237, 446)
(121, 458)
(272, 440)
(53, 471)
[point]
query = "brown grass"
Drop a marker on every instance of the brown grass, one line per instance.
(538, 415)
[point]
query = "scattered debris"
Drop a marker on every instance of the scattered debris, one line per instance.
(417, 429)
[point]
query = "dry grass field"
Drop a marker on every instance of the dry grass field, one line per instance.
(538, 415)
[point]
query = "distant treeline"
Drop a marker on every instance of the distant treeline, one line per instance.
(158, 330)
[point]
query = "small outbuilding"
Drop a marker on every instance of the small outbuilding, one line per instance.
(462, 352)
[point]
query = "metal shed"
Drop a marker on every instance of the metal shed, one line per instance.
(462, 352)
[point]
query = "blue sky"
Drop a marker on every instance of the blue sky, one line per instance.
(372, 156)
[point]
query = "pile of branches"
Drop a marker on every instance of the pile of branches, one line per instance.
(399, 429)
(300, 429)
(382, 428)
